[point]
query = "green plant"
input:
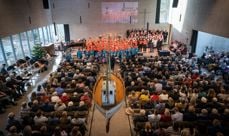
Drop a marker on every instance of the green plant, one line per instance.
(38, 52)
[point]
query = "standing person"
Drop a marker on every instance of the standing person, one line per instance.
(112, 62)
(79, 54)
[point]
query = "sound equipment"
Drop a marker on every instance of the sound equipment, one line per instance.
(130, 19)
(163, 53)
(46, 4)
(175, 3)
(80, 20)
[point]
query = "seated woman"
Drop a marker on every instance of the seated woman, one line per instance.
(133, 99)
(147, 131)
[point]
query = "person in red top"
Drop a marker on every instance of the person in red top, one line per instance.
(86, 99)
(65, 98)
(166, 117)
(154, 97)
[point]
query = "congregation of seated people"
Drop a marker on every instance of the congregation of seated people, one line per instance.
(169, 95)
(60, 105)
(178, 47)
(15, 77)
(216, 62)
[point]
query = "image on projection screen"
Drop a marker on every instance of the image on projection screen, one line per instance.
(119, 12)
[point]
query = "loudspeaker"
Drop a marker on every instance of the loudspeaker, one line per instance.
(163, 53)
(66, 32)
(147, 27)
(46, 4)
(130, 20)
(175, 3)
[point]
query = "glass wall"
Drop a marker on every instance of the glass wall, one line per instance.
(25, 44)
(8, 50)
(17, 47)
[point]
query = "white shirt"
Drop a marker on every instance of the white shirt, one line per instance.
(55, 99)
(178, 116)
(40, 120)
(154, 118)
(164, 97)
(158, 87)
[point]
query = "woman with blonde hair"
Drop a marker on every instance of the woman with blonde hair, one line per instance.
(147, 131)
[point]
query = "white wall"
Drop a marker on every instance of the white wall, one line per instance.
(14, 16)
(209, 16)
(217, 43)
(69, 12)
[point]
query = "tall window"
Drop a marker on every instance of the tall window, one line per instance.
(17, 47)
(2, 61)
(25, 45)
(49, 33)
(45, 35)
(30, 37)
(164, 11)
(52, 33)
(60, 32)
(8, 50)
(37, 36)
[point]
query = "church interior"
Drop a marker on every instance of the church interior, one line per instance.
(114, 67)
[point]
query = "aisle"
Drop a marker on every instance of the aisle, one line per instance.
(119, 123)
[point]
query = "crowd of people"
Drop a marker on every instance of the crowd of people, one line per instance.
(216, 63)
(178, 47)
(148, 39)
(166, 95)
(14, 79)
(59, 106)
(170, 95)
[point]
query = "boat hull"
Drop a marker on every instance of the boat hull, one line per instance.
(108, 111)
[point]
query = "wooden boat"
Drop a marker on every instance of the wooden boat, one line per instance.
(109, 94)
